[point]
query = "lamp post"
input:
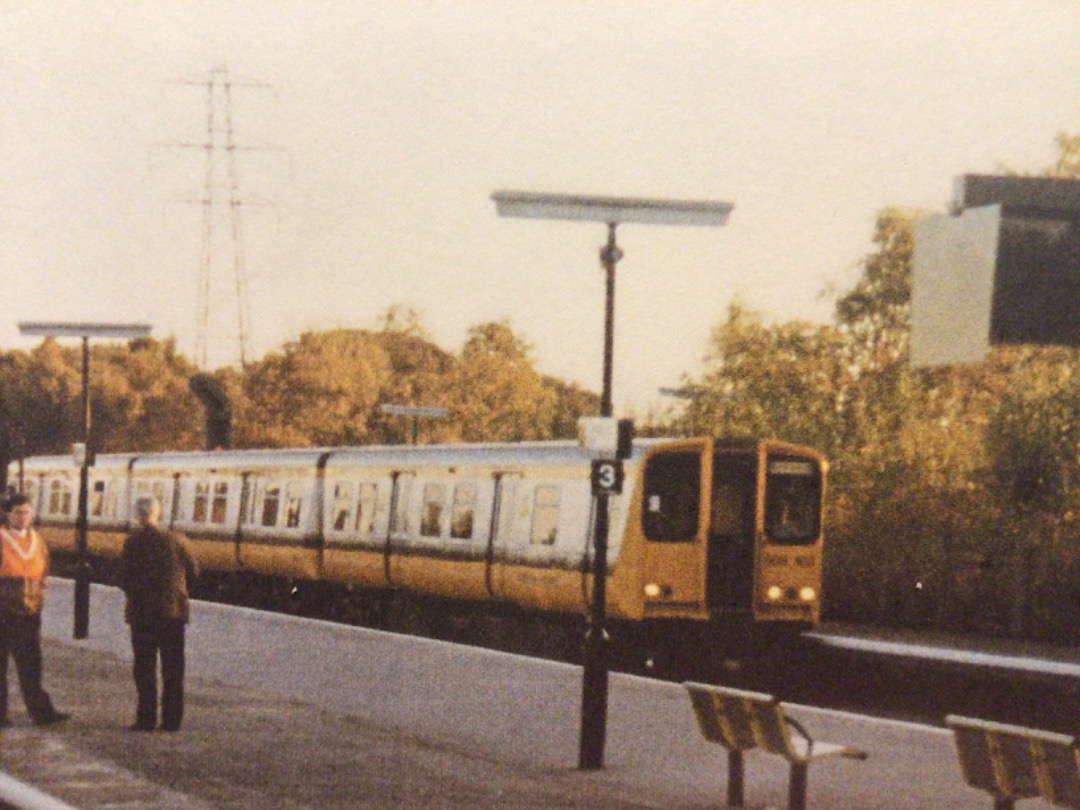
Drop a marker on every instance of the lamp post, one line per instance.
(85, 331)
(611, 211)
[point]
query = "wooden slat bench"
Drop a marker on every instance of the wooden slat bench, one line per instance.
(1013, 763)
(741, 721)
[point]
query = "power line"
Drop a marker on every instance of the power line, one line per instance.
(220, 197)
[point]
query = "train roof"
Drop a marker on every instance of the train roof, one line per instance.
(554, 452)
(488, 454)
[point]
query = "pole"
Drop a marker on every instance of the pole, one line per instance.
(82, 570)
(594, 694)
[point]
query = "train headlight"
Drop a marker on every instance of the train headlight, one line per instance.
(654, 590)
(807, 594)
(775, 593)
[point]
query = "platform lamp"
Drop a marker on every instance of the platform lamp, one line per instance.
(85, 331)
(611, 211)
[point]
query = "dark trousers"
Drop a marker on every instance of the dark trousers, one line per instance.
(20, 638)
(148, 641)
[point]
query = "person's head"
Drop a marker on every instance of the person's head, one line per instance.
(147, 510)
(20, 513)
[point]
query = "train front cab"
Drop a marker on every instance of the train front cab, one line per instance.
(730, 542)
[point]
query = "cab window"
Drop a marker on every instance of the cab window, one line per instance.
(792, 501)
(672, 500)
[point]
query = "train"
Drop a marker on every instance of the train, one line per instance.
(710, 540)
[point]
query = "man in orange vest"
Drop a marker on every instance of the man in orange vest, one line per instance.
(24, 566)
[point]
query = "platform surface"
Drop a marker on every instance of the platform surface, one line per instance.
(284, 712)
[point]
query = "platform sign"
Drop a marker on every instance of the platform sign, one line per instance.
(952, 286)
(607, 477)
(1004, 270)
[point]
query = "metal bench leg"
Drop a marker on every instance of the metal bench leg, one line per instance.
(797, 786)
(735, 779)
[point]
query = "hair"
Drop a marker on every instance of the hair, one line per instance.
(17, 499)
(145, 506)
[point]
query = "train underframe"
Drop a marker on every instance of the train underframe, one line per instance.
(724, 649)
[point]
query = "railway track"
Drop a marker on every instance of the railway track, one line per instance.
(903, 687)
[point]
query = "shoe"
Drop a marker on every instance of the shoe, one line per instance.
(50, 719)
(5, 723)
(140, 727)
(170, 728)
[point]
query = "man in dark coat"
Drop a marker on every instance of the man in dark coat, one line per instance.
(155, 569)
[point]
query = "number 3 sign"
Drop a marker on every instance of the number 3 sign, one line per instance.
(607, 477)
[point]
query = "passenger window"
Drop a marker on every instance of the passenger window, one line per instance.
(545, 517)
(461, 520)
(111, 494)
(434, 503)
(294, 491)
(399, 521)
(365, 509)
(66, 497)
(97, 499)
(270, 503)
(202, 496)
(54, 497)
(343, 494)
(221, 502)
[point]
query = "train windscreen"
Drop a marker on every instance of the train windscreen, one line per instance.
(792, 500)
(672, 497)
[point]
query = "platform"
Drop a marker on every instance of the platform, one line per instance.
(286, 712)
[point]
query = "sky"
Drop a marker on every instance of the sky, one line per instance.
(370, 136)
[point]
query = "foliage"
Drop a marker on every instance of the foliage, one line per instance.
(780, 381)
(499, 394)
(319, 390)
(139, 399)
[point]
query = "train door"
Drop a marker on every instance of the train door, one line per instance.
(399, 529)
(674, 524)
(732, 521)
(504, 510)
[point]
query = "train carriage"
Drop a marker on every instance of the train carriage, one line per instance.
(707, 534)
(52, 485)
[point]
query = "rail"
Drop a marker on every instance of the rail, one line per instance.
(1013, 763)
(741, 721)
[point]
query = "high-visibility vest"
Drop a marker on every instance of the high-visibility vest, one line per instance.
(24, 565)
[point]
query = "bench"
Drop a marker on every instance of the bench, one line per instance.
(1012, 763)
(740, 721)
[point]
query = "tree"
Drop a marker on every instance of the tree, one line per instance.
(783, 381)
(141, 398)
(500, 396)
(319, 390)
(571, 403)
(422, 375)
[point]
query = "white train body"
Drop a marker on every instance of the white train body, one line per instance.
(507, 523)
